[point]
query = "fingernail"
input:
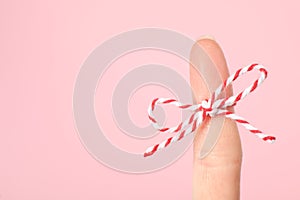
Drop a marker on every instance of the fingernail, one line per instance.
(210, 37)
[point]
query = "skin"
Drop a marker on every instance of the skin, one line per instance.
(217, 176)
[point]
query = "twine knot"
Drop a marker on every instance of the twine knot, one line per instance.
(208, 107)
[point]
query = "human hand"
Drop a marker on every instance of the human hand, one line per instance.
(217, 176)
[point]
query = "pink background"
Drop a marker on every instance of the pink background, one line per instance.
(42, 46)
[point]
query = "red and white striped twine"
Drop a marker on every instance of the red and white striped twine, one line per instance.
(211, 107)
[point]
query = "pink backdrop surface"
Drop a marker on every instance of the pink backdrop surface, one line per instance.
(42, 47)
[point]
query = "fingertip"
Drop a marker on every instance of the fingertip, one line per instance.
(215, 52)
